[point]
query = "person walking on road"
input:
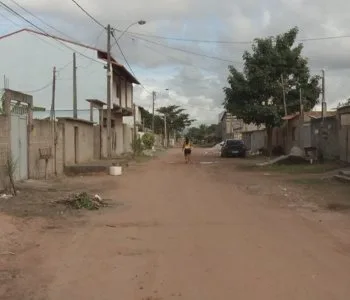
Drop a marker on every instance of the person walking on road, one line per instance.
(187, 149)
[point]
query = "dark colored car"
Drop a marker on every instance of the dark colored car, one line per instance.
(233, 148)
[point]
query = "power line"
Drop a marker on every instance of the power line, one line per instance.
(88, 14)
(40, 19)
(186, 51)
(44, 32)
(230, 42)
(121, 51)
(201, 54)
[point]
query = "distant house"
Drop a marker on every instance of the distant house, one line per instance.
(298, 132)
(230, 127)
(30, 70)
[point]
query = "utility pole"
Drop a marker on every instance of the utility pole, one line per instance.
(134, 121)
(53, 118)
(75, 101)
(165, 133)
(153, 100)
(301, 118)
(109, 76)
(284, 96)
(52, 114)
(324, 109)
(324, 106)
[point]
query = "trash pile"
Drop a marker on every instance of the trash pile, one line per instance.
(296, 156)
(83, 201)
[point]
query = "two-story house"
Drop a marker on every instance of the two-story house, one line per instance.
(31, 60)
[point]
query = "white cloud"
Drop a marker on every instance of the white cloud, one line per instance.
(196, 82)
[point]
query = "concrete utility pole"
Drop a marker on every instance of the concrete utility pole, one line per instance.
(324, 105)
(284, 96)
(53, 118)
(153, 100)
(109, 76)
(52, 115)
(301, 119)
(134, 121)
(75, 101)
(165, 133)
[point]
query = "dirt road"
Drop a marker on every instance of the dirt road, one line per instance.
(186, 232)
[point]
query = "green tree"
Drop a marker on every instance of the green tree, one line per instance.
(203, 133)
(148, 140)
(147, 119)
(344, 103)
(177, 119)
(256, 94)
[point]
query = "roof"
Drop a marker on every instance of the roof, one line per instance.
(101, 54)
(310, 114)
(96, 101)
(70, 119)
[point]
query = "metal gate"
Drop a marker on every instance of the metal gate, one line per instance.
(19, 146)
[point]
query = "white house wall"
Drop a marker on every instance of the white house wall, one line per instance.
(28, 60)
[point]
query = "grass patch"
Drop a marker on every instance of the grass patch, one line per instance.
(83, 201)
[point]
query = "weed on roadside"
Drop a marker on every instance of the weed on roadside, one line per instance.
(83, 201)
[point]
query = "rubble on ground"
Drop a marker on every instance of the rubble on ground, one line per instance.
(296, 156)
(83, 201)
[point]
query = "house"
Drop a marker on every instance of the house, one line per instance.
(30, 70)
(297, 130)
(230, 126)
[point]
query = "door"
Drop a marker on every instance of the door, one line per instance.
(76, 144)
(19, 146)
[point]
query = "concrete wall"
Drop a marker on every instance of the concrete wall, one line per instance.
(120, 138)
(327, 138)
(85, 141)
(344, 133)
(128, 136)
(41, 136)
(4, 147)
(255, 140)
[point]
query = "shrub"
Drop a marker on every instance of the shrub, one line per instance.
(148, 140)
(137, 146)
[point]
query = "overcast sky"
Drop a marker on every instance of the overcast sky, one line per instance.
(195, 81)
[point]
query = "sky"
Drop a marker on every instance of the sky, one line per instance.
(196, 81)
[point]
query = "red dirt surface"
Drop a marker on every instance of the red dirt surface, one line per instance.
(194, 232)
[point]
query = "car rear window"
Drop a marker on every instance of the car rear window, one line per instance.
(234, 142)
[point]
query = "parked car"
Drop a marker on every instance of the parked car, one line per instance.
(233, 148)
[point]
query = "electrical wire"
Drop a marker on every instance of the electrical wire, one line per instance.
(88, 14)
(126, 61)
(44, 32)
(8, 19)
(40, 19)
(178, 59)
(230, 42)
(184, 50)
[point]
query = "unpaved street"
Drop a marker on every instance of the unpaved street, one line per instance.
(185, 232)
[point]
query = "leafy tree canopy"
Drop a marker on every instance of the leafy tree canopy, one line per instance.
(177, 119)
(256, 94)
(203, 133)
